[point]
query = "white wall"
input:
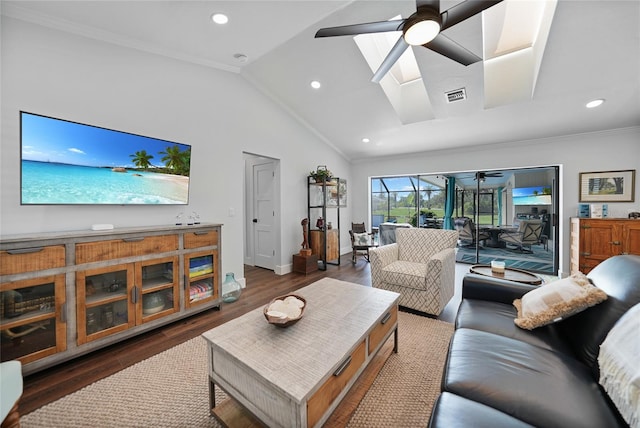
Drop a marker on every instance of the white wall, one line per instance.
(53, 73)
(602, 151)
(57, 74)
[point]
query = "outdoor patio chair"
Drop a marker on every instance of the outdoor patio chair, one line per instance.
(527, 234)
(467, 232)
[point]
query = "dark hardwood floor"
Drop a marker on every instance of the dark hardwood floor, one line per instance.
(261, 286)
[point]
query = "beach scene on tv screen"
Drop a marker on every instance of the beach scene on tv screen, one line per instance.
(71, 163)
(539, 195)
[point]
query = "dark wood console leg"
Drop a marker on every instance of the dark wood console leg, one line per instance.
(395, 341)
(212, 396)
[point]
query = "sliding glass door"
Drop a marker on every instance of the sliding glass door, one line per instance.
(512, 215)
(507, 215)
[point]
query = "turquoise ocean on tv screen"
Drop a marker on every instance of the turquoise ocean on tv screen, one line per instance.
(55, 183)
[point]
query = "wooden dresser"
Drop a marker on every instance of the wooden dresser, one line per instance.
(68, 293)
(596, 239)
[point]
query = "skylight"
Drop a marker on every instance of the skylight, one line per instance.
(515, 35)
(403, 85)
(405, 70)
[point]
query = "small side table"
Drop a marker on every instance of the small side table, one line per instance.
(305, 264)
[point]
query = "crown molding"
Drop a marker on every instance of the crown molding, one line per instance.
(12, 10)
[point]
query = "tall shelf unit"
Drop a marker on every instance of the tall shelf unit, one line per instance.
(324, 197)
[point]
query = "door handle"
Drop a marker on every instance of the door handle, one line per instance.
(140, 239)
(25, 250)
(342, 367)
(386, 318)
(255, 220)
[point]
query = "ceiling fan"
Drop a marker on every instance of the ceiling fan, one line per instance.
(482, 176)
(423, 28)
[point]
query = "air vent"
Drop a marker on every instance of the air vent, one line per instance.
(457, 95)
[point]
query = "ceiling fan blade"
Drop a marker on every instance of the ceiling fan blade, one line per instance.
(355, 29)
(447, 47)
(464, 10)
(433, 4)
(396, 52)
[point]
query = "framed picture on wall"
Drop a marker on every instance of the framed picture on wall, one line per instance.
(607, 186)
(337, 193)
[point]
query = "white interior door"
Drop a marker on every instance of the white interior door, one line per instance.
(263, 215)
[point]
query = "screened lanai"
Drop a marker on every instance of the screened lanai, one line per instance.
(419, 200)
(489, 199)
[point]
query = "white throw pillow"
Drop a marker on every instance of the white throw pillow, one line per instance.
(619, 368)
(361, 239)
(557, 300)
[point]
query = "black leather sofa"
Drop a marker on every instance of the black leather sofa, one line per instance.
(498, 375)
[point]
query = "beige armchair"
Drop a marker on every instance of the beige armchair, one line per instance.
(420, 266)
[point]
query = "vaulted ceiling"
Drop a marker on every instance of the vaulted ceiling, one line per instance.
(592, 51)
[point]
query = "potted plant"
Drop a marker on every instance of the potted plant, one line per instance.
(321, 174)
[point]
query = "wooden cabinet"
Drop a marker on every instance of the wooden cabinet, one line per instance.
(594, 240)
(332, 245)
(31, 259)
(115, 298)
(117, 283)
(32, 302)
(201, 278)
(32, 318)
(201, 239)
(104, 306)
(322, 399)
(128, 246)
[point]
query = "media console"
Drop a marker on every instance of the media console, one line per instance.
(64, 294)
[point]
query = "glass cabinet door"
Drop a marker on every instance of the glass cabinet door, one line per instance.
(201, 281)
(103, 303)
(157, 289)
(32, 318)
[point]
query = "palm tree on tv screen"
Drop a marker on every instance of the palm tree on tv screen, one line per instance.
(141, 159)
(175, 160)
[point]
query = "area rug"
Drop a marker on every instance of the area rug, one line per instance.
(170, 389)
(540, 260)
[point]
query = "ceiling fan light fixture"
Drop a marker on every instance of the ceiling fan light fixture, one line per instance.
(423, 27)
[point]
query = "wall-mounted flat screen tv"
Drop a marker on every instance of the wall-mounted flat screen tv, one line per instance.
(70, 163)
(538, 195)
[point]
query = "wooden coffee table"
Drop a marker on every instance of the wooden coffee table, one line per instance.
(297, 376)
(511, 274)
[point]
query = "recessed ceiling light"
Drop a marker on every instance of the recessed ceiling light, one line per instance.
(315, 84)
(241, 57)
(365, 140)
(595, 103)
(219, 18)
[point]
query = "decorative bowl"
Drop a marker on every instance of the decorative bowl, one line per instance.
(271, 313)
(152, 303)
